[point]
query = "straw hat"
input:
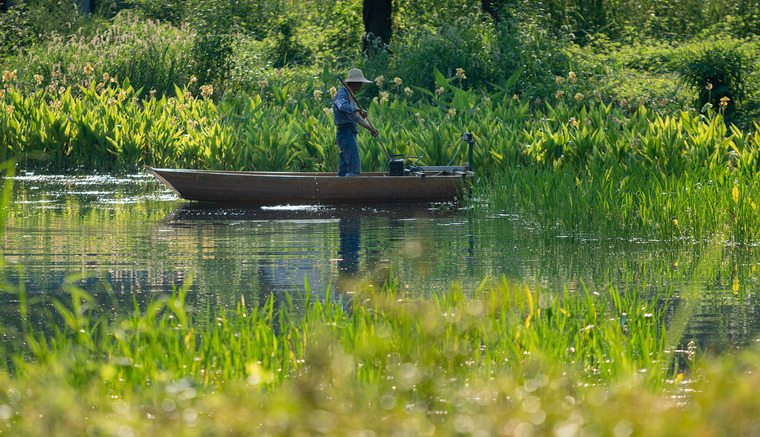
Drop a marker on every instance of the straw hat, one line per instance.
(356, 75)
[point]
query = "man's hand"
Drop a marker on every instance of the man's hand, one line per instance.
(361, 113)
(374, 132)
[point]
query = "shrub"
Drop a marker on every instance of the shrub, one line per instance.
(161, 10)
(719, 69)
(15, 30)
(524, 42)
(286, 49)
(469, 42)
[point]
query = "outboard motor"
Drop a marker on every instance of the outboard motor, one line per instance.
(396, 165)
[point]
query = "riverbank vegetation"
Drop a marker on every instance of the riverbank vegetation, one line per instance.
(631, 119)
(576, 162)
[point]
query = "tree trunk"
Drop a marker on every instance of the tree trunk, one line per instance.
(378, 22)
(487, 6)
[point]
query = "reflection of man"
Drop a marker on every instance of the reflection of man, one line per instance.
(350, 242)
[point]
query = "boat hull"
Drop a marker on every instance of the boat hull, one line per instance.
(279, 188)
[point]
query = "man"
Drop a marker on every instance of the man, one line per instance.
(346, 116)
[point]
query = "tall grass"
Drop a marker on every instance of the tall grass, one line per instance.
(153, 56)
(377, 346)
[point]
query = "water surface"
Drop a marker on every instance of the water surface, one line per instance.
(127, 239)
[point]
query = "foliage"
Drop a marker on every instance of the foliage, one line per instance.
(525, 44)
(720, 70)
(287, 49)
(15, 31)
(153, 56)
(468, 43)
(596, 154)
(171, 12)
(426, 352)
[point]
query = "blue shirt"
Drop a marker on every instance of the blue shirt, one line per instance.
(344, 111)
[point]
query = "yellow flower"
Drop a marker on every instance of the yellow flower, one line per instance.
(327, 110)
(115, 80)
(193, 79)
(263, 83)
(374, 99)
(9, 109)
(578, 96)
(280, 72)
(439, 91)
(573, 122)
(709, 86)
(383, 100)
(181, 107)
(515, 97)
(333, 92)
(460, 74)
(408, 91)
(560, 79)
(452, 112)
(571, 77)
(88, 69)
(318, 94)
(38, 78)
(207, 90)
(9, 75)
(122, 95)
(291, 100)
(106, 76)
(641, 101)
(188, 95)
(397, 81)
(170, 101)
(384, 95)
(724, 102)
(560, 93)
(379, 80)
(191, 124)
(112, 101)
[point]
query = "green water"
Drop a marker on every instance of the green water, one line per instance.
(127, 239)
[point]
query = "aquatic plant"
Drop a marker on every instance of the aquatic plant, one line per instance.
(588, 155)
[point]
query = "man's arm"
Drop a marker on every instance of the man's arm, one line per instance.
(367, 126)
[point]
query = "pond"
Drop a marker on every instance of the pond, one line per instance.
(126, 239)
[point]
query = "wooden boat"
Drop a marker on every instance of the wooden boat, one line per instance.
(429, 184)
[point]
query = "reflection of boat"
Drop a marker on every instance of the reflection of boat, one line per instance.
(279, 188)
(210, 212)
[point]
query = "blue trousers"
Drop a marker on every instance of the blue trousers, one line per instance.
(349, 162)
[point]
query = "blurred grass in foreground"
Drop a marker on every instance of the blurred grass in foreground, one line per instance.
(504, 360)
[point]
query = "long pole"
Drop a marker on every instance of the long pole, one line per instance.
(351, 93)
